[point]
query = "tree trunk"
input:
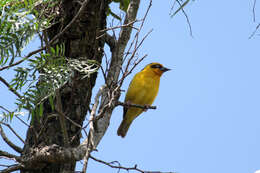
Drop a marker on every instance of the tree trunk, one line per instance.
(81, 41)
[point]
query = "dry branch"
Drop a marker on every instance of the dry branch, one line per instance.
(136, 106)
(9, 87)
(134, 168)
(12, 145)
(4, 154)
(12, 168)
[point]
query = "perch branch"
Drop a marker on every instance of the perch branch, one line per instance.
(136, 105)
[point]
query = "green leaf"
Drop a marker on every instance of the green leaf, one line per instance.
(11, 115)
(51, 102)
(124, 5)
(41, 110)
(25, 3)
(53, 51)
(110, 12)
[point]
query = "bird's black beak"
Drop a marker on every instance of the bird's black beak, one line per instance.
(164, 69)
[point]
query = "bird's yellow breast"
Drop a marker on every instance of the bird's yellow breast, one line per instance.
(142, 91)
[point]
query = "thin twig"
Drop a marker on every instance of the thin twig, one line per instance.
(254, 10)
(187, 18)
(4, 154)
(136, 47)
(134, 168)
(136, 105)
(91, 121)
(12, 168)
(7, 125)
(22, 60)
(9, 87)
(5, 109)
(12, 145)
(22, 121)
(253, 33)
(130, 24)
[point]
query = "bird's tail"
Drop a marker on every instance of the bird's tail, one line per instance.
(123, 128)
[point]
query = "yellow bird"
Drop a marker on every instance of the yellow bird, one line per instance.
(142, 91)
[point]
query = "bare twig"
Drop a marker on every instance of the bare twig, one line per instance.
(130, 24)
(5, 109)
(14, 132)
(22, 60)
(4, 154)
(136, 105)
(136, 47)
(253, 33)
(91, 122)
(187, 18)
(134, 168)
(12, 168)
(254, 10)
(111, 96)
(7, 125)
(22, 121)
(9, 87)
(12, 145)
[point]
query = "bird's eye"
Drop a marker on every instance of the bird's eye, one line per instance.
(156, 66)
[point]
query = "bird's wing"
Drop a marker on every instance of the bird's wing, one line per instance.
(134, 91)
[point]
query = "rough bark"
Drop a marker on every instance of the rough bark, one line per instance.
(80, 42)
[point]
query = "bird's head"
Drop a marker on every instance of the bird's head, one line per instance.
(157, 68)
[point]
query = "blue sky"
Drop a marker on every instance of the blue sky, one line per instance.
(207, 116)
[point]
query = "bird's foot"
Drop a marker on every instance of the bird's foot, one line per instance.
(128, 103)
(146, 107)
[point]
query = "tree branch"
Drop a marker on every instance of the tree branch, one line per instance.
(187, 18)
(39, 157)
(110, 40)
(90, 139)
(22, 60)
(7, 125)
(253, 33)
(12, 168)
(10, 156)
(254, 10)
(111, 95)
(9, 87)
(12, 145)
(136, 105)
(134, 168)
